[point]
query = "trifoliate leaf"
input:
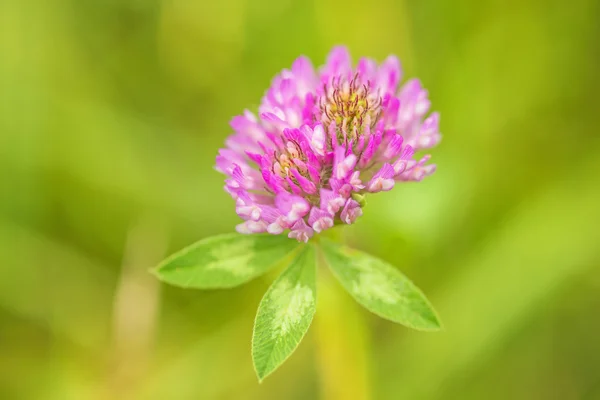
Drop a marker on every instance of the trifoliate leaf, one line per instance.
(224, 261)
(379, 287)
(284, 314)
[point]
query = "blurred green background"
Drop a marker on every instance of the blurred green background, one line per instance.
(112, 112)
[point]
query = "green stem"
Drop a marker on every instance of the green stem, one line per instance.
(342, 342)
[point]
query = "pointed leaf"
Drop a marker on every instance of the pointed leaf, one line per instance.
(284, 314)
(224, 261)
(379, 287)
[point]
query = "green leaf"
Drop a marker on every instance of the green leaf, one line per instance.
(380, 288)
(224, 261)
(284, 314)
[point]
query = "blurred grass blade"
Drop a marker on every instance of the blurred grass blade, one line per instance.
(549, 241)
(224, 261)
(380, 287)
(284, 314)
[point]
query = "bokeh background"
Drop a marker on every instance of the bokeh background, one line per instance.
(112, 112)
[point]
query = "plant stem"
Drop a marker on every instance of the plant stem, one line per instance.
(342, 342)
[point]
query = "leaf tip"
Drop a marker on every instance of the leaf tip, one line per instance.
(434, 328)
(439, 325)
(262, 374)
(154, 271)
(260, 378)
(432, 324)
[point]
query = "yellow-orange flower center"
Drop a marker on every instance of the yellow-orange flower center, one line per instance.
(351, 105)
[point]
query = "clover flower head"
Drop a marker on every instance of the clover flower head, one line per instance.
(322, 140)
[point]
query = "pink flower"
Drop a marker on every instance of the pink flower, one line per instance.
(323, 138)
